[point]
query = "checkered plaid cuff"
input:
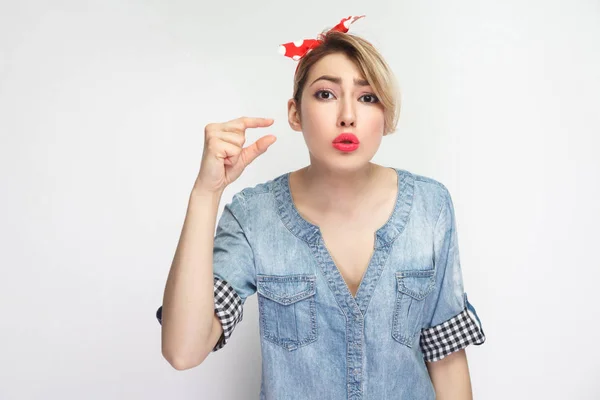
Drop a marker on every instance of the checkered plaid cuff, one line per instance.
(452, 335)
(228, 308)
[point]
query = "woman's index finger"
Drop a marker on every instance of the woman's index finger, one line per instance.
(243, 123)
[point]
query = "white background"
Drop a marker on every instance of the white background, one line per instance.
(102, 110)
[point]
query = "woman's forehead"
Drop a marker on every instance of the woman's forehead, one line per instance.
(336, 64)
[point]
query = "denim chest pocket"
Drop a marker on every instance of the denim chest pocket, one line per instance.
(287, 309)
(413, 287)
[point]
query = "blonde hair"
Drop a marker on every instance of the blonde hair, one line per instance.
(370, 63)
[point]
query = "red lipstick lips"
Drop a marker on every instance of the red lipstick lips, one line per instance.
(346, 142)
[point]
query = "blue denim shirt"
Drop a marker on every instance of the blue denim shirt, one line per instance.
(318, 341)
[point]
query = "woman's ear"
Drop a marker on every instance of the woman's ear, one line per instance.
(294, 116)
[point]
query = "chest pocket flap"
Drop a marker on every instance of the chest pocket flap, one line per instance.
(287, 289)
(416, 283)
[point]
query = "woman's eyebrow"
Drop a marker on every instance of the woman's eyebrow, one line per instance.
(338, 80)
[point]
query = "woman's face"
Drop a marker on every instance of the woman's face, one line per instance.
(337, 99)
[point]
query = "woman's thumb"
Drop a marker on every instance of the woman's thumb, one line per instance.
(259, 147)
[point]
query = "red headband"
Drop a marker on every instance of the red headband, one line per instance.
(298, 49)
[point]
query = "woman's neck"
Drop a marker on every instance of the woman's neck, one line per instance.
(338, 191)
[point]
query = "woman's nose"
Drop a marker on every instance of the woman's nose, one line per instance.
(347, 115)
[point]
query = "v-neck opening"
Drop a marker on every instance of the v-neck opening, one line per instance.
(384, 236)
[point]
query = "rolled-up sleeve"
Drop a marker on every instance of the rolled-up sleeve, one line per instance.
(234, 273)
(451, 322)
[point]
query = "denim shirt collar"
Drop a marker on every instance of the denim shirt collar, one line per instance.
(310, 233)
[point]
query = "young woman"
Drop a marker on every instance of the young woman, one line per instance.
(355, 265)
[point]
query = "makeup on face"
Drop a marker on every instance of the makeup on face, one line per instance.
(346, 142)
(339, 100)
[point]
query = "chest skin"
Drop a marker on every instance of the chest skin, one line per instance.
(351, 252)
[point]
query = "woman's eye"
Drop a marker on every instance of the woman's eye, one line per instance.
(370, 98)
(320, 94)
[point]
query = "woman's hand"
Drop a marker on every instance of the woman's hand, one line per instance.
(224, 157)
